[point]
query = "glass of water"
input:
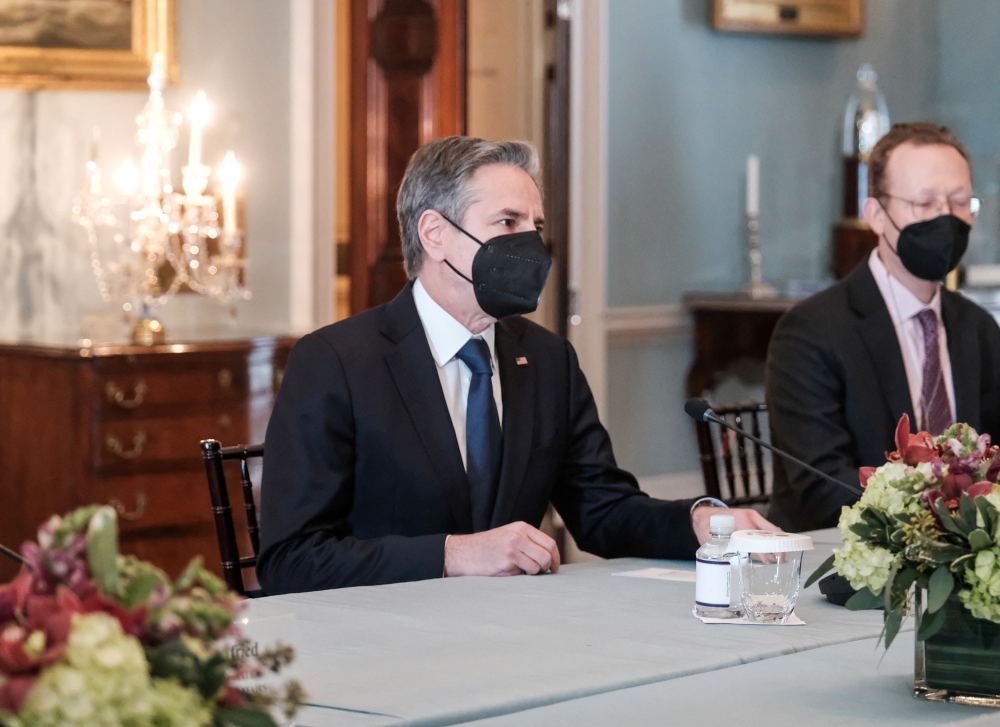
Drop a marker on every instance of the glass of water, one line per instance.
(770, 572)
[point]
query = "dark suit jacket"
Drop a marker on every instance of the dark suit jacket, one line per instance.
(363, 478)
(836, 388)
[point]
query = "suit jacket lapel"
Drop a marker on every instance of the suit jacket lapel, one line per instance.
(518, 383)
(879, 335)
(963, 352)
(413, 369)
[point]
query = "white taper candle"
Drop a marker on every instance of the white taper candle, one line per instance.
(753, 185)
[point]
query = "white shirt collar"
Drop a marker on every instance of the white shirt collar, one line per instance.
(446, 335)
(907, 305)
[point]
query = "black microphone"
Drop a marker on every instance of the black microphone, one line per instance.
(12, 555)
(700, 410)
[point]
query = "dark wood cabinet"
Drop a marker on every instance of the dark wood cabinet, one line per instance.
(120, 425)
(726, 329)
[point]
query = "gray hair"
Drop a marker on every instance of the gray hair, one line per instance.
(439, 177)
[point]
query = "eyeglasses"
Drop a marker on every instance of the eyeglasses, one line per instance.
(925, 209)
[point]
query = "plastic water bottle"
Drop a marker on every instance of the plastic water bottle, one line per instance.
(713, 586)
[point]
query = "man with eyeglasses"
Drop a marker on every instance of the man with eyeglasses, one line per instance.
(888, 339)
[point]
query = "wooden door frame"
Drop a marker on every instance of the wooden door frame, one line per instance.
(312, 188)
(588, 195)
(588, 190)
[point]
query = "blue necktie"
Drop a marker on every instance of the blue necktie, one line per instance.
(483, 438)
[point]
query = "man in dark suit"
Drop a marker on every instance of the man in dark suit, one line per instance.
(888, 339)
(394, 453)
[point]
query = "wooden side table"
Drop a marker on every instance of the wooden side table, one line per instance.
(728, 328)
(120, 424)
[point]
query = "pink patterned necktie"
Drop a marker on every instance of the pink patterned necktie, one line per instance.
(933, 394)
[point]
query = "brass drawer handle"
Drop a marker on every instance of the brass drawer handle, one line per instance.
(279, 376)
(225, 378)
(140, 507)
(114, 445)
(117, 396)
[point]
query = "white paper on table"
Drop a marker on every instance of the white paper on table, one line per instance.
(792, 620)
(662, 574)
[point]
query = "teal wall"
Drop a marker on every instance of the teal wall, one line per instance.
(970, 105)
(686, 107)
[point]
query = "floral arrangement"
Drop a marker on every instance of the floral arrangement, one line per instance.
(88, 637)
(930, 516)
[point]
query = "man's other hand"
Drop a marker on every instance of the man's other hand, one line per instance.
(745, 520)
(510, 550)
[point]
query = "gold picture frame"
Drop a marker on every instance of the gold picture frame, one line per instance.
(41, 48)
(834, 18)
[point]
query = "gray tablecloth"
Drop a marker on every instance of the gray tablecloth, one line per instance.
(832, 686)
(454, 650)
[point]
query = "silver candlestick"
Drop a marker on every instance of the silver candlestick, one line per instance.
(756, 287)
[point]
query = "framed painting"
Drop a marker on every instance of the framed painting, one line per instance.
(843, 18)
(85, 44)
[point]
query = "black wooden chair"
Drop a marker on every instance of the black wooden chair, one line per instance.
(747, 475)
(232, 564)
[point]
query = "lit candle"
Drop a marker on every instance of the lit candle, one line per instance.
(128, 177)
(230, 173)
(199, 117)
(753, 185)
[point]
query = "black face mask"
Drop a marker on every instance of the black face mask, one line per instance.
(508, 273)
(932, 248)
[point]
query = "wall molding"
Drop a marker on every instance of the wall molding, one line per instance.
(588, 188)
(312, 263)
(636, 324)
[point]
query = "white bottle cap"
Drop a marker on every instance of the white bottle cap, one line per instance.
(763, 541)
(722, 524)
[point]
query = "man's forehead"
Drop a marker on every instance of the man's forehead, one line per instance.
(503, 187)
(917, 164)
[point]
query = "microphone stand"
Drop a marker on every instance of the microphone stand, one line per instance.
(699, 409)
(12, 555)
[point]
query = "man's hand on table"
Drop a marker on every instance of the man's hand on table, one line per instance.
(510, 550)
(745, 520)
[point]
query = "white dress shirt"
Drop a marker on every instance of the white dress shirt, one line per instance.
(903, 308)
(446, 336)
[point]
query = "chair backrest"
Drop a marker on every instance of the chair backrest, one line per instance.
(746, 472)
(232, 564)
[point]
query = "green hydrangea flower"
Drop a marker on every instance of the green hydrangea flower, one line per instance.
(982, 597)
(895, 488)
(864, 565)
(103, 679)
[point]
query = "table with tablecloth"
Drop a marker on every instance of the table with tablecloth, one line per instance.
(586, 644)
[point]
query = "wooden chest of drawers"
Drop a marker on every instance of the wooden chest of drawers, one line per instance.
(121, 425)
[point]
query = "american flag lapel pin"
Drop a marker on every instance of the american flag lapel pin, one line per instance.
(521, 361)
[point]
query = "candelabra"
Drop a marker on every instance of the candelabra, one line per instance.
(755, 287)
(147, 240)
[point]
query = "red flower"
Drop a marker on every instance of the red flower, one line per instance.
(864, 473)
(13, 692)
(232, 698)
(35, 636)
(951, 492)
(994, 469)
(913, 449)
(14, 595)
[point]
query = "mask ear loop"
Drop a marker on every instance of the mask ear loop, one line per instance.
(472, 237)
(893, 222)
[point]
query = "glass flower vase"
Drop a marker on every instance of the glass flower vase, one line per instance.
(961, 662)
